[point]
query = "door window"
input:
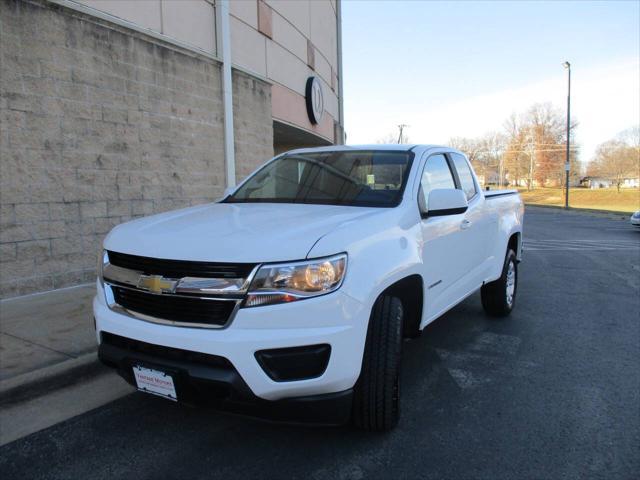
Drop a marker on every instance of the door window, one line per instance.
(436, 174)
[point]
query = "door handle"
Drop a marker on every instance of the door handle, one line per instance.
(465, 224)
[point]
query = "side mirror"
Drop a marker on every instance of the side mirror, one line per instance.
(444, 201)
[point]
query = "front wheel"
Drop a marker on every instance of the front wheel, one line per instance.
(499, 296)
(376, 401)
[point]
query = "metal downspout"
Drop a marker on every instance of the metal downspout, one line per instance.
(223, 45)
(341, 140)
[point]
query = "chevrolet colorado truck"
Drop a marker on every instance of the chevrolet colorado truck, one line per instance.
(290, 297)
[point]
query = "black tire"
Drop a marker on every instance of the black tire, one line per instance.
(376, 401)
(495, 295)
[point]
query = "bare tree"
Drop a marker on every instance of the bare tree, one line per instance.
(491, 157)
(631, 136)
(471, 148)
(393, 138)
(515, 159)
(536, 143)
(388, 138)
(618, 158)
(485, 153)
(531, 149)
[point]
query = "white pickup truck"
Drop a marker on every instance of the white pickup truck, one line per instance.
(290, 297)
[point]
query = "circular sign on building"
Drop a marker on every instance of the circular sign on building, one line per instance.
(314, 99)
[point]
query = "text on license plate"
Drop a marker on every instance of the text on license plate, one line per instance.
(155, 382)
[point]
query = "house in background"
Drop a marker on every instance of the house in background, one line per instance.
(631, 182)
(603, 182)
(596, 182)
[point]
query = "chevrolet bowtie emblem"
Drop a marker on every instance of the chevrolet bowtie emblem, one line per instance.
(156, 284)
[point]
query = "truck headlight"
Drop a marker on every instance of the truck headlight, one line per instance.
(288, 282)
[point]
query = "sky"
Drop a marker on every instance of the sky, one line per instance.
(460, 69)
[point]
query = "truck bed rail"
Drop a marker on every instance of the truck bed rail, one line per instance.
(489, 194)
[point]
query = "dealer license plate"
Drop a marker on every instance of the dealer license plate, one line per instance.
(155, 382)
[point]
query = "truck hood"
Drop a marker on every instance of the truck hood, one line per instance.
(228, 232)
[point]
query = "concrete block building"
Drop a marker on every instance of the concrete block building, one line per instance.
(114, 109)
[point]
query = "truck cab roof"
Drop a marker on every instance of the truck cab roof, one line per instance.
(375, 146)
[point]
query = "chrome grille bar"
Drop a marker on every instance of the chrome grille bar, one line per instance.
(191, 285)
(115, 278)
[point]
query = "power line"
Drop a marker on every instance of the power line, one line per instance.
(502, 152)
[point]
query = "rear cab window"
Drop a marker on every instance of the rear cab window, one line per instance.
(467, 185)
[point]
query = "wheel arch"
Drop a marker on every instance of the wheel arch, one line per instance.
(410, 291)
(515, 244)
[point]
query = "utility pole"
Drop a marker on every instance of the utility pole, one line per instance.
(567, 165)
(530, 182)
(531, 150)
(401, 127)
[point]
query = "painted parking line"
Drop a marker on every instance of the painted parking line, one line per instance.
(580, 245)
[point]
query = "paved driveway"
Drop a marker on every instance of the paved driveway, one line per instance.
(553, 392)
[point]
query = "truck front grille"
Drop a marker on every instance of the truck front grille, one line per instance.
(180, 268)
(185, 310)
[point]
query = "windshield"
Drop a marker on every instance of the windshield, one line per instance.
(373, 178)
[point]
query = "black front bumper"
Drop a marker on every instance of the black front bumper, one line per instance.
(211, 380)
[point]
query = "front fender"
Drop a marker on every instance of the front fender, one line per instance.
(378, 257)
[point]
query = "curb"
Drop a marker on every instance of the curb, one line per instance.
(38, 382)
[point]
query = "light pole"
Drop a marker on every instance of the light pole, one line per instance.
(567, 165)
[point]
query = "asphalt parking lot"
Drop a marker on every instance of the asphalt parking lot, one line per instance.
(552, 392)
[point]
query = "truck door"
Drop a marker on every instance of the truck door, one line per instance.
(443, 239)
(477, 226)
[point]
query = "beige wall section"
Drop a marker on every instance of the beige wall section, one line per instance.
(279, 55)
(323, 29)
(245, 10)
(289, 107)
(286, 69)
(295, 11)
(284, 61)
(145, 14)
(252, 56)
(289, 37)
(189, 21)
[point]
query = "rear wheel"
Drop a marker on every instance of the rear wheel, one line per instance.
(499, 297)
(376, 401)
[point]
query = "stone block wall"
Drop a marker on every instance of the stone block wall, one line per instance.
(99, 125)
(252, 123)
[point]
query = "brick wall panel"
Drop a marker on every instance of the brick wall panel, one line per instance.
(252, 108)
(100, 125)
